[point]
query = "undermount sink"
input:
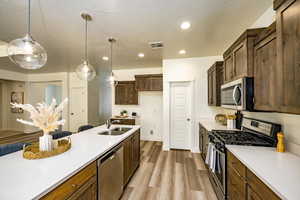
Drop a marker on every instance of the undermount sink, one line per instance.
(115, 131)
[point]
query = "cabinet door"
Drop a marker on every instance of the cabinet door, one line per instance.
(131, 94)
(210, 88)
(143, 84)
(214, 87)
(251, 195)
(228, 68)
(288, 53)
(265, 75)
(127, 145)
(87, 191)
(120, 91)
(205, 143)
(126, 93)
(157, 83)
(236, 185)
(136, 150)
(240, 66)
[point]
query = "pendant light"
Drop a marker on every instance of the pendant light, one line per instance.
(85, 71)
(26, 52)
(112, 80)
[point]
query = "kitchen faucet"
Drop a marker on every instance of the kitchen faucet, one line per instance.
(109, 122)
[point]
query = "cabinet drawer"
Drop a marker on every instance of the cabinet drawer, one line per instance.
(67, 188)
(260, 188)
(237, 165)
(236, 185)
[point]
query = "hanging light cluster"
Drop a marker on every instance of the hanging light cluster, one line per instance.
(85, 71)
(26, 52)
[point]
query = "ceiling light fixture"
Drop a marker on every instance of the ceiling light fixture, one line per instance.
(185, 25)
(26, 52)
(112, 80)
(86, 71)
(141, 55)
(105, 58)
(182, 52)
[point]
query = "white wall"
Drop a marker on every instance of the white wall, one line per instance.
(62, 78)
(9, 119)
(150, 105)
(189, 69)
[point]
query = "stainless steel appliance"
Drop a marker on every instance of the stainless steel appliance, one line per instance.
(238, 94)
(110, 175)
(254, 133)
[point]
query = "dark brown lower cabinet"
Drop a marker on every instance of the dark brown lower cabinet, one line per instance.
(242, 184)
(131, 155)
(81, 186)
(203, 141)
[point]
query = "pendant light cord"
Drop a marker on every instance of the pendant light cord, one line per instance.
(29, 17)
(111, 56)
(86, 32)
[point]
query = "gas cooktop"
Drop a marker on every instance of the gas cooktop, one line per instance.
(242, 138)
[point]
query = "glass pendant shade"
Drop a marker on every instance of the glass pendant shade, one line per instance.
(27, 53)
(85, 71)
(112, 79)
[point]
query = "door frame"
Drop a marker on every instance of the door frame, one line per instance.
(167, 117)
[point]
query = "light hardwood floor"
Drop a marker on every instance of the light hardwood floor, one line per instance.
(169, 175)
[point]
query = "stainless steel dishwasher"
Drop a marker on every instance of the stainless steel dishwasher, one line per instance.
(110, 175)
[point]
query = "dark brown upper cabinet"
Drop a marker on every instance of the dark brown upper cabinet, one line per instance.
(239, 58)
(288, 55)
(126, 93)
(149, 82)
(215, 80)
(265, 76)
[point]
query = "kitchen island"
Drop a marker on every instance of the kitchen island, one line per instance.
(32, 179)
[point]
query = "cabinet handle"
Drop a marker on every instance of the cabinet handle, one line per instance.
(74, 185)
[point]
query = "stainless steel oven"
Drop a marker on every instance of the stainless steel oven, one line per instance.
(218, 176)
(238, 94)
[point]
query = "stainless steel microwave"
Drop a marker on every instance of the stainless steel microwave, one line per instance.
(238, 94)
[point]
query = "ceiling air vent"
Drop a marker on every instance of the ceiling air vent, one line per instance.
(156, 45)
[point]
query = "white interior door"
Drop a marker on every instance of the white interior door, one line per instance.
(78, 115)
(180, 115)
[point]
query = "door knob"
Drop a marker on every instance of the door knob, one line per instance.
(72, 113)
(188, 119)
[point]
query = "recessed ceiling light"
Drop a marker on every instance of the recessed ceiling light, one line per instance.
(185, 25)
(182, 52)
(105, 58)
(141, 55)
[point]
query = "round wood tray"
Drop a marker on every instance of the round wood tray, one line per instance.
(32, 152)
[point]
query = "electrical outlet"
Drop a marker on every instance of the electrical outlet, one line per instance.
(151, 132)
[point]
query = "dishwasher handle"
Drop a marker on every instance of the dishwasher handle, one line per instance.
(110, 155)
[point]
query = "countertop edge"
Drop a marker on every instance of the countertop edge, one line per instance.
(258, 175)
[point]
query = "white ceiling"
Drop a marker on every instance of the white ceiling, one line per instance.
(56, 24)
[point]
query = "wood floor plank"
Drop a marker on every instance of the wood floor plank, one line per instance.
(193, 174)
(159, 168)
(155, 153)
(169, 175)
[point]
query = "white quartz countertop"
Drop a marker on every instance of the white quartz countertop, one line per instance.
(279, 171)
(31, 179)
(211, 124)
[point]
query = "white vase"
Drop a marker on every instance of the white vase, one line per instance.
(46, 142)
